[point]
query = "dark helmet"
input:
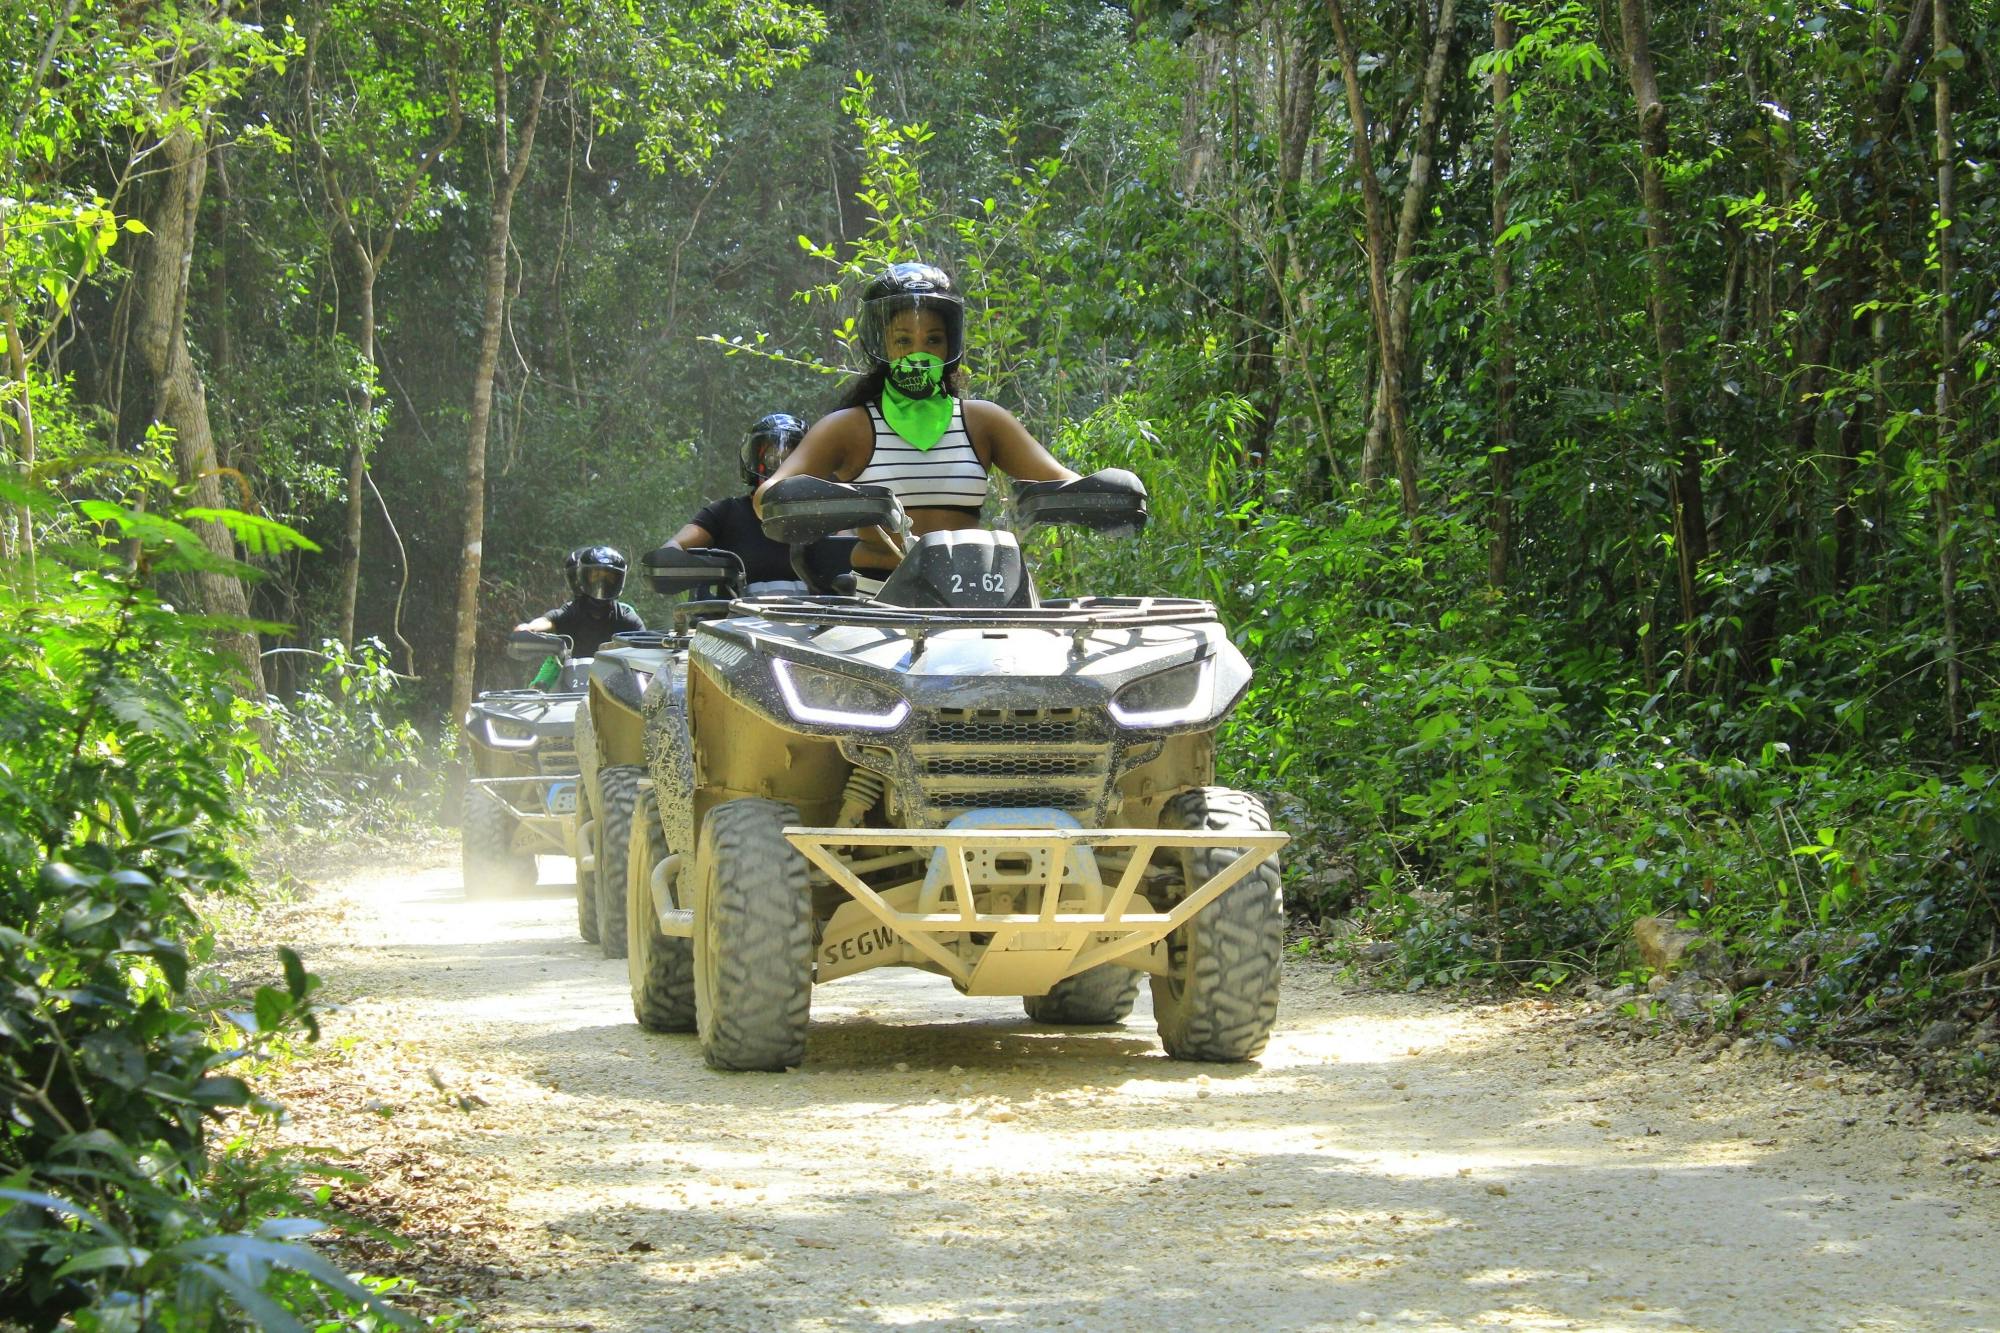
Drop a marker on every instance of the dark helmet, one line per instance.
(903, 287)
(766, 445)
(595, 573)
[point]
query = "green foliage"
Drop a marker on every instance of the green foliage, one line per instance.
(342, 753)
(123, 750)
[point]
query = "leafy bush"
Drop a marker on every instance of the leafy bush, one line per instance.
(123, 750)
(342, 753)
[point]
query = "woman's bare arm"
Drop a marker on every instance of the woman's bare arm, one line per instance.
(1008, 446)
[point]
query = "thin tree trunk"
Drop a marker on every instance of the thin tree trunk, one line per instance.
(1402, 276)
(1500, 456)
(1689, 513)
(1942, 497)
(1262, 381)
(159, 331)
(20, 543)
(357, 451)
(1390, 385)
(510, 166)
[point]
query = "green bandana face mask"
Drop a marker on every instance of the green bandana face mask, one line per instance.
(913, 402)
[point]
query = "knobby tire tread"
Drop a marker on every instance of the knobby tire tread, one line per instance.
(660, 967)
(586, 882)
(487, 862)
(619, 785)
(1098, 998)
(1226, 1003)
(757, 910)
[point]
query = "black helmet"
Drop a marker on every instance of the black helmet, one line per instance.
(767, 444)
(595, 573)
(906, 287)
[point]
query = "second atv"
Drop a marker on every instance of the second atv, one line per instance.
(520, 797)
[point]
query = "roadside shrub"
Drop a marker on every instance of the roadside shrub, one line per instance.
(123, 750)
(343, 753)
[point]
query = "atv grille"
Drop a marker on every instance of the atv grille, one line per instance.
(556, 755)
(1012, 759)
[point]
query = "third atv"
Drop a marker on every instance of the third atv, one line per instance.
(958, 777)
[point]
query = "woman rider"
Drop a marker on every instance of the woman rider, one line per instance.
(903, 424)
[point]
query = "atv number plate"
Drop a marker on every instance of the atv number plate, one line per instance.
(562, 798)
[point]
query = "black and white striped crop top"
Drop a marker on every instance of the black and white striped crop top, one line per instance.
(948, 475)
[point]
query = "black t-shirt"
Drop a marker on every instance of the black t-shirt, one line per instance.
(732, 525)
(590, 625)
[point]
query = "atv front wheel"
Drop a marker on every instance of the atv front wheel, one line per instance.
(618, 787)
(487, 860)
(1219, 997)
(1097, 998)
(660, 967)
(753, 938)
(586, 880)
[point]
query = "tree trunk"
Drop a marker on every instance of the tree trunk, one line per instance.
(357, 449)
(1500, 454)
(1402, 277)
(510, 166)
(159, 332)
(1261, 380)
(1690, 525)
(1390, 384)
(1942, 496)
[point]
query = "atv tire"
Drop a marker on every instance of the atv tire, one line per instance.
(586, 880)
(753, 938)
(1219, 998)
(1097, 998)
(618, 788)
(487, 861)
(661, 967)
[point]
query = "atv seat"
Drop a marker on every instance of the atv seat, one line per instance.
(967, 568)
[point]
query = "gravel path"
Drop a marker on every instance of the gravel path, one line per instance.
(941, 1163)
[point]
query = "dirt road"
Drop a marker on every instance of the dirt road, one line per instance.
(940, 1163)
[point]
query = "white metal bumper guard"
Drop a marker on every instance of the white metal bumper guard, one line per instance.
(1045, 855)
(537, 827)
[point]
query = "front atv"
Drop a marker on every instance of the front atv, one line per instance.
(955, 777)
(520, 798)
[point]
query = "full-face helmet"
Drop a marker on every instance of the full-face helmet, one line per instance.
(766, 445)
(901, 301)
(595, 573)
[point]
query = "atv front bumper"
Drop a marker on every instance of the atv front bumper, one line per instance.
(1011, 911)
(543, 809)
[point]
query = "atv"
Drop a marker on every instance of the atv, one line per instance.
(955, 776)
(611, 762)
(521, 796)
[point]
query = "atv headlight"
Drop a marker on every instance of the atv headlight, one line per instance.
(831, 700)
(1180, 694)
(504, 735)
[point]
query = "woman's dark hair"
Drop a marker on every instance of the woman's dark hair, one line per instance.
(866, 388)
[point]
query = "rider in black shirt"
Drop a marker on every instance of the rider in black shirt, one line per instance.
(732, 525)
(593, 614)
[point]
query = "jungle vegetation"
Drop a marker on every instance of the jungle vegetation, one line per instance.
(1584, 414)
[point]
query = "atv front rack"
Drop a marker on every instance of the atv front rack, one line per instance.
(1078, 921)
(1065, 616)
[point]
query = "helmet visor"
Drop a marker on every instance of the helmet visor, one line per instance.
(894, 326)
(769, 450)
(600, 582)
